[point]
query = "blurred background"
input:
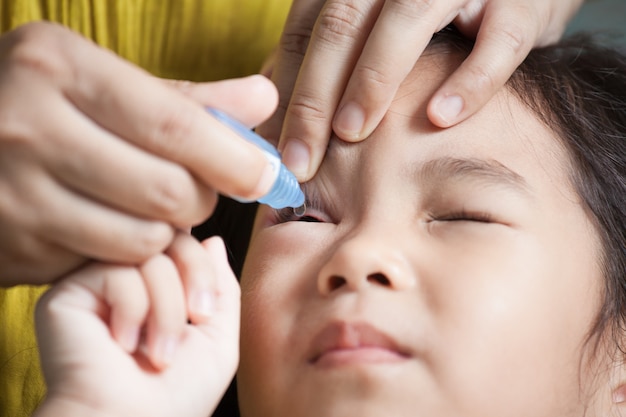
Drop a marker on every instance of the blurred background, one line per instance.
(608, 16)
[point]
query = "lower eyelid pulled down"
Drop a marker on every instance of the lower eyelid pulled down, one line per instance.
(288, 215)
(314, 212)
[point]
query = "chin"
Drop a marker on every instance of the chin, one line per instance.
(327, 406)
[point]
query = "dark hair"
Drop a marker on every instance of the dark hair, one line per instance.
(578, 89)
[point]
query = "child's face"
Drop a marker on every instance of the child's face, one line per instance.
(451, 273)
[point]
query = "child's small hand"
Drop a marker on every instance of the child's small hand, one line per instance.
(156, 340)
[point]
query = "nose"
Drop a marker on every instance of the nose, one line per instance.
(363, 261)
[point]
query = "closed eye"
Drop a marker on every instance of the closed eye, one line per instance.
(464, 216)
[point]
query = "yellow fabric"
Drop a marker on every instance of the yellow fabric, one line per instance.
(186, 39)
(21, 383)
(181, 39)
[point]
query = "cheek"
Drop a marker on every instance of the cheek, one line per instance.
(262, 286)
(275, 281)
(513, 327)
(259, 330)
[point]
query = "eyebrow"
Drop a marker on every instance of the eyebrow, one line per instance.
(487, 171)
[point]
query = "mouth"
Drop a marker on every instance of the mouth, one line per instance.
(353, 344)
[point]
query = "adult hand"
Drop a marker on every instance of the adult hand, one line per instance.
(99, 159)
(359, 51)
(96, 363)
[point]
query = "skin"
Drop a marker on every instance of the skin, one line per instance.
(62, 137)
(340, 63)
(96, 363)
(94, 168)
(391, 303)
(487, 311)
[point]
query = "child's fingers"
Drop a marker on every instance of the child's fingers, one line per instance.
(223, 328)
(224, 324)
(126, 294)
(167, 318)
(198, 275)
(115, 294)
(210, 286)
(213, 298)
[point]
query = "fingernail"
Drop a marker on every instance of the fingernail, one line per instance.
(265, 181)
(129, 339)
(165, 350)
(449, 108)
(202, 303)
(296, 157)
(350, 121)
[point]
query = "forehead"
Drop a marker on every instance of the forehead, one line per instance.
(504, 132)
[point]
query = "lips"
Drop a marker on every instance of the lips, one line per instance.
(345, 344)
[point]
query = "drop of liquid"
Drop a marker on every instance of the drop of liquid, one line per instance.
(299, 211)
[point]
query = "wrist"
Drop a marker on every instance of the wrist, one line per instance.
(67, 407)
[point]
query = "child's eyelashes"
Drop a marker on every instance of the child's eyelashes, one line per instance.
(463, 216)
(287, 215)
(317, 210)
(312, 214)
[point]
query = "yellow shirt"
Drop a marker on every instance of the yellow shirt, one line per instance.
(181, 39)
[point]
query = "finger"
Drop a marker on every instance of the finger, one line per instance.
(104, 167)
(267, 67)
(27, 260)
(289, 55)
(505, 37)
(396, 41)
(161, 120)
(167, 318)
(92, 161)
(223, 327)
(91, 229)
(113, 294)
(336, 41)
(261, 96)
(24, 256)
(126, 295)
(198, 276)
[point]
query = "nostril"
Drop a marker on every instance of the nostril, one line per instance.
(379, 278)
(335, 282)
